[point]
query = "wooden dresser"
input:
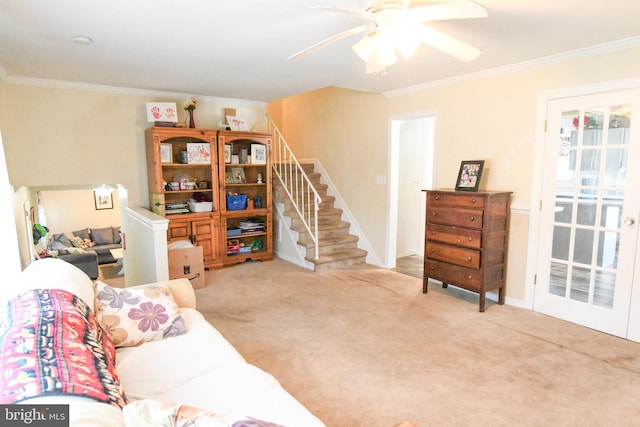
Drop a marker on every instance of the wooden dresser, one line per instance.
(466, 237)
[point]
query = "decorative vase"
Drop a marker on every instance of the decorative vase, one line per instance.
(192, 123)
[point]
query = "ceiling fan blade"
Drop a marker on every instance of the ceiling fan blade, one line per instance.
(349, 10)
(329, 40)
(437, 12)
(364, 14)
(448, 44)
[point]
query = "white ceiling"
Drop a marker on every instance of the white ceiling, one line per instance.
(238, 48)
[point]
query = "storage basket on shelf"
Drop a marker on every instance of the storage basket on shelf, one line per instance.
(236, 202)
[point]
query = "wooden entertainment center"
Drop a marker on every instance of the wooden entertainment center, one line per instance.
(214, 187)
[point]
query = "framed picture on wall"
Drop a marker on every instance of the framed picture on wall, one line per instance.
(102, 201)
(469, 175)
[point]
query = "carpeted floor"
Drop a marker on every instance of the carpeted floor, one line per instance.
(367, 348)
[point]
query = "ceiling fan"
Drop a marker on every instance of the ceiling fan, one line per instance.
(393, 25)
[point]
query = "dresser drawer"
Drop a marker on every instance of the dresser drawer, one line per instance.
(455, 236)
(436, 198)
(452, 254)
(456, 275)
(459, 217)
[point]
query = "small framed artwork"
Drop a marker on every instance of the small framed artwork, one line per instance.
(166, 153)
(227, 153)
(236, 123)
(198, 153)
(162, 112)
(102, 201)
(237, 176)
(258, 154)
(469, 175)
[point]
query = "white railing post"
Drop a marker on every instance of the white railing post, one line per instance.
(296, 184)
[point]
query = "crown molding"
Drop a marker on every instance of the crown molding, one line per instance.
(600, 49)
(90, 87)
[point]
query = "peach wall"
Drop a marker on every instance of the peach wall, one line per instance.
(494, 118)
(490, 117)
(68, 137)
(347, 131)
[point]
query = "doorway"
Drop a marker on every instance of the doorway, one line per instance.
(411, 171)
(589, 206)
(65, 209)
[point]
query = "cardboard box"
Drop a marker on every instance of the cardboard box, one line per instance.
(187, 263)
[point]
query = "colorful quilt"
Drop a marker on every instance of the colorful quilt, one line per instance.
(51, 344)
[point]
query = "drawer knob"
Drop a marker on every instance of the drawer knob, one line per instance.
(433, 251)
(469, 259)
(473, 201)
(469, 277)
(472, 218)
(434, 214)
(437, 197)
(470, 238)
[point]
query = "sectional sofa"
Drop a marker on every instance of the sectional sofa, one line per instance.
(87, 248)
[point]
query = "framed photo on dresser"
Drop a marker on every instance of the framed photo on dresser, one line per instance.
(469, 175)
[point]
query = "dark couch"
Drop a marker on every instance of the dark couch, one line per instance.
(88, 248)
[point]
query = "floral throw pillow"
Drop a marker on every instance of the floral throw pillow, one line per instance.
(154, 413)
(131, 317)
(81, 243)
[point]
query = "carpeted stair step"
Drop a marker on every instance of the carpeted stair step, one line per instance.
(329, 245)
(338, 260)
(323, 221)
(326, 230)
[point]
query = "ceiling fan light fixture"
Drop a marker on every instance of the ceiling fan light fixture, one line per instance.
(374, 67)
(364, 47)
(408, 41)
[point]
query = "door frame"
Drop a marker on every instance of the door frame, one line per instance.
(536, 190)
(393, 168)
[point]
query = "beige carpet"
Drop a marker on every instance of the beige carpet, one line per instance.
(367, 348)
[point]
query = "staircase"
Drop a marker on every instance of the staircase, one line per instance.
(337, 249)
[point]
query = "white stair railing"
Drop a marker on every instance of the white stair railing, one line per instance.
(296, 183)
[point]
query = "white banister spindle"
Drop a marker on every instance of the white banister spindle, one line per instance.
(296, 184)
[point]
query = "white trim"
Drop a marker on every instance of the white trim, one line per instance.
(520, 208)
(62, 84)
(599, 49)
(152, 220)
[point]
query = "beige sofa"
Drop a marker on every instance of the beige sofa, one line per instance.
(198, 369)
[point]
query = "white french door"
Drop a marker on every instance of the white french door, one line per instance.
(590, 202)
